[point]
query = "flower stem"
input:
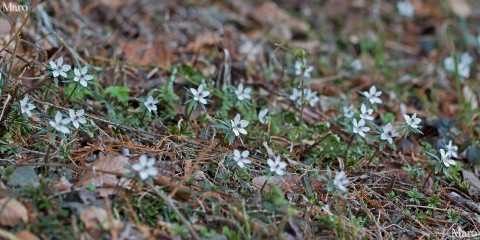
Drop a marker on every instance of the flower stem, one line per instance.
(373, 155)
(426, 180)
(348, 146)
(189, 114)
(71, 94)
(302, 82)
(48, 90)
(143, 116)
(265, 183)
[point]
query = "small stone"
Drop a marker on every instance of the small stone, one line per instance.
(24, 176)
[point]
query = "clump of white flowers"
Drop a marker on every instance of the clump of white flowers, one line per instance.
(405, 8)
(145, 167)
(309, 96)
(364, 122)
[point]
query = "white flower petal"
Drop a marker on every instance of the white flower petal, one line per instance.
(270, 163)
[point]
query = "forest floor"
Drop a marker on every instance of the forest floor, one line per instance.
(146, 119)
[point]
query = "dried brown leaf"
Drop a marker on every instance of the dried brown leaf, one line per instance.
(145, 52)
(108, 170)
(94, 216)
(204, 40)
(114, 3)
(460, 7)
(288, 184)
(26, 235)
(279, 21)
(13, 212)
(281, 141)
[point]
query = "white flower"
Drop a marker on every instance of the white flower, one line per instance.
(263, 116)
(446, 158)
(145, 167)
(358, 127)
(241, 158)
(405, 8)
(77, 117)
(58, 68)
(356, 65)
(388, 133)
(463, 70)
(199, 95)
(449, 64)
(373, 96)
(366, 113)
(60, 123)
(412, 121)
(26, 107)
(349, 111)
(81, 76)
(277, 166)
(243, 93)
(463, 66)
(126, 152)
(150, 104)
(298, 70)
(452, 149)
(296, 96)
(466, 58)
(340, 181)
(238, 125)
(311, 97)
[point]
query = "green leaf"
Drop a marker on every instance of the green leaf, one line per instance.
(299, 53)
(119, 92)
(388, 118)
(79, 93)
